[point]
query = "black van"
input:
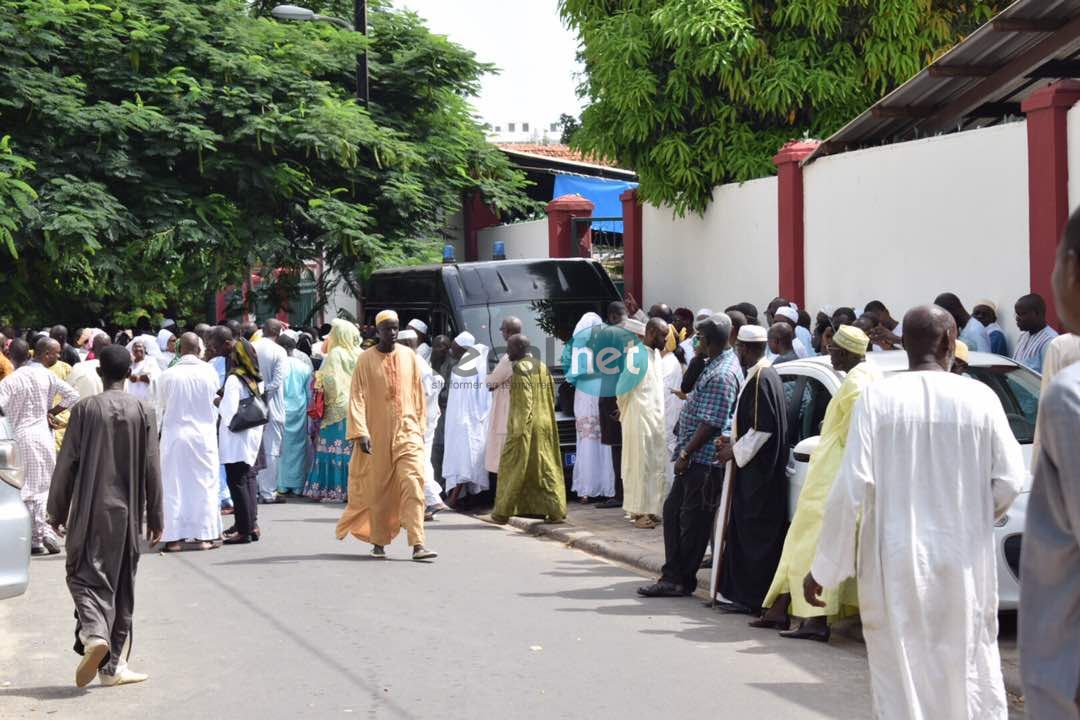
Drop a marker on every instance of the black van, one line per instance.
(549, 296)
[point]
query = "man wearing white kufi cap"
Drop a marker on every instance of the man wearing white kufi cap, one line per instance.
(753, 509)
(467, 407)
(423, 349)
(803, 341)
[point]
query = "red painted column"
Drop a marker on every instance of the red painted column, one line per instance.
(633, 279)
(477, 217)
(791, 230)
(1047, 111)
(563, 240)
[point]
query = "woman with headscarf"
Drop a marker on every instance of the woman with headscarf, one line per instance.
(239, 451)
(168, 357)
(329, 478)
(594, 472)
(144, 372)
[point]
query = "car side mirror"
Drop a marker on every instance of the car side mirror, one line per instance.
(803, 450)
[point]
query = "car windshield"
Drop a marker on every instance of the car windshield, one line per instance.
(1018, 390)
(547, 324)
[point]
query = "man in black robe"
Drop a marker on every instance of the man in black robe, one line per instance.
(754, 515)
(107, 480)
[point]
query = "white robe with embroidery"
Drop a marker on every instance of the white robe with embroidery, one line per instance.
(930, 463)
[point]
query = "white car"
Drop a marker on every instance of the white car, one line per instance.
(813, 382)
(14, 519)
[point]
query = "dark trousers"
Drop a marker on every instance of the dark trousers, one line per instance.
(616, 460)
(688, 524)
(105, 603)
(244, 488)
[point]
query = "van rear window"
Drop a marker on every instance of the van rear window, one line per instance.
(414, 286)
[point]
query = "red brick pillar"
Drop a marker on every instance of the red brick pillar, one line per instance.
(477, 217)
(633, 278)
(563, 240)
(1047, 110)
(789, 194)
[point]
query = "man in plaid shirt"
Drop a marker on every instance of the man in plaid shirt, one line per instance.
(689, 509)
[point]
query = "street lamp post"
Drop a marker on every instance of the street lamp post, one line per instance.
(295, 13)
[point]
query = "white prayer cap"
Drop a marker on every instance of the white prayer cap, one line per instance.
(635, 326)
(703, 313)
(418, 325)
(169, 322)
(289, 333)
(407, 335)
(786, 312)
(794, 306)
(753, 334)
(465, 339)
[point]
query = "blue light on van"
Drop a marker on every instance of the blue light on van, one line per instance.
(498, 250)
(448, 253)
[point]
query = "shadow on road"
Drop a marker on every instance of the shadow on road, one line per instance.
(53, 692)
(811, 696)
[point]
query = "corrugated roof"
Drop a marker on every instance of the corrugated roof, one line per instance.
(979, 82)
(563, 155)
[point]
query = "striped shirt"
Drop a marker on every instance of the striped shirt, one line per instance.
(1031, 347)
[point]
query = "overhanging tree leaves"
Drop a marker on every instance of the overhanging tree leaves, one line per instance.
(161, 149)
(695, 93)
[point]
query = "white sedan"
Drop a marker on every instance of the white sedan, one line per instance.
(14, 519)
(810, 383)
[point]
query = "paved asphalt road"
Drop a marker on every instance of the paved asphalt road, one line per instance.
(501, 625)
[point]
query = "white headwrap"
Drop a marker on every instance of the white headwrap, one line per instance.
(588, 320)
(163, 339)
(407, 335)
(418, 325)
(464, 339)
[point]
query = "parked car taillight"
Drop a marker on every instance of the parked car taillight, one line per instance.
(11, 470)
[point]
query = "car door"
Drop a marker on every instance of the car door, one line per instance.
(807, 399)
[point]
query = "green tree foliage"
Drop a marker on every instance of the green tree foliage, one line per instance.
(569, 125)
(156, 151)
(695, 93)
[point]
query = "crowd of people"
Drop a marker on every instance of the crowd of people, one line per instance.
(894, 522)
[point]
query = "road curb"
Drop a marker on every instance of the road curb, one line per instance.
(626, 554)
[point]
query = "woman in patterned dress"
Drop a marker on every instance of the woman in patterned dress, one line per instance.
(329, 478)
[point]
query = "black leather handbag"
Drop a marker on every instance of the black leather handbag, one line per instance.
(251, 413)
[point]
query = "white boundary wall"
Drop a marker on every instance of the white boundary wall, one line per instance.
(727, 256)
(524, 241)
(904, 222)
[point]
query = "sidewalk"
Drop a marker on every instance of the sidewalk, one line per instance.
(608, 534)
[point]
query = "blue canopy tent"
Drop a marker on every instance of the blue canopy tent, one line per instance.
(604, 194)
